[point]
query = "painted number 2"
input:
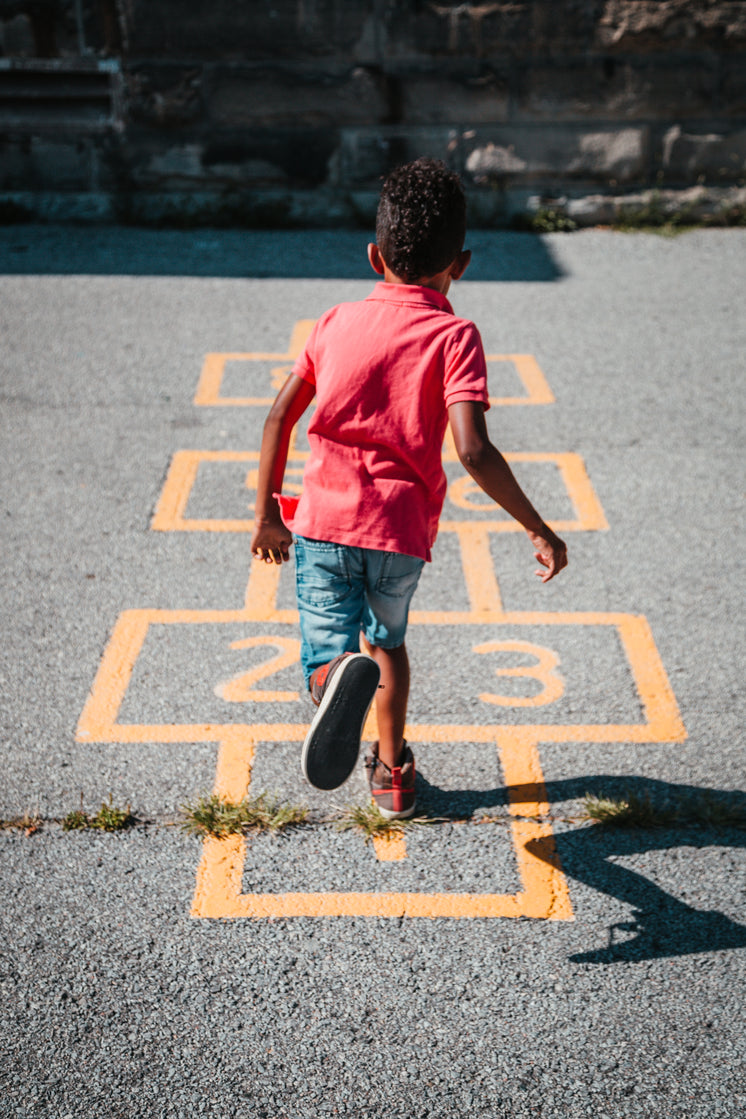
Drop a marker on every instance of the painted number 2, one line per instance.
(553, 685)
(240, 689)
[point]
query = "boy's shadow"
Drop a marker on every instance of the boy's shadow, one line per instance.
(661, 924)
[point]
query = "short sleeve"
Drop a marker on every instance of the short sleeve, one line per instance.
(305, 365)
(465, 375)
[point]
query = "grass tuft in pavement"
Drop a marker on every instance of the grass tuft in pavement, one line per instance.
(108, 818)
(636, 812)
(215, 815)
(27, 823)
(641, 812)
(366, 819)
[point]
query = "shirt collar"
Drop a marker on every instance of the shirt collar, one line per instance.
(410, 294)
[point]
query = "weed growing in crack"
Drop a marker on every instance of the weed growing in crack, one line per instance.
(108, 818)
(216, 816)
(641, 812)
(27, 823)
(367, 820)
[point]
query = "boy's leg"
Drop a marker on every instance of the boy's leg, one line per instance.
(330, 592)
(331, 598)
(393, 579)
(391, 700)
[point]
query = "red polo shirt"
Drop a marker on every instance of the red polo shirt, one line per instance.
(385, 371)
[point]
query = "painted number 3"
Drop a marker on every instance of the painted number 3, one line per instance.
(547, 660)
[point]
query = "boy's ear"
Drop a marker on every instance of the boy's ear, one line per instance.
(460, 264)
(376, 260)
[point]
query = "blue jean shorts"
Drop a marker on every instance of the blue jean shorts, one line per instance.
(343, 591)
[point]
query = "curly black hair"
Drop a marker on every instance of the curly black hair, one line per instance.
(421, 219)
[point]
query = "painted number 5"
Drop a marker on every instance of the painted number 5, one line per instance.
(553, 685)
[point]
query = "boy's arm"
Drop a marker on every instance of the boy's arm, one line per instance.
(271, 538)
(492, 474)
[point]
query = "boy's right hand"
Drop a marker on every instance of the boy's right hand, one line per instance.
(551, 552)
(271, 541)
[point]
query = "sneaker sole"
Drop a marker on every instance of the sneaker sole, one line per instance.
(332, 745)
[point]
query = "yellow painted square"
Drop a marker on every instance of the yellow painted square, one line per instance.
(544, 893)
(465, 502)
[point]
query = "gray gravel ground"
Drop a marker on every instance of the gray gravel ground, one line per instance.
(113, 1000)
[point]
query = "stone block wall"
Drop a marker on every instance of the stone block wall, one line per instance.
(291, 110)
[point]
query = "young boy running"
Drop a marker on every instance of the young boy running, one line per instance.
(388, 374)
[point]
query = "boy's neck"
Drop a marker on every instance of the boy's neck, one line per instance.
(390, 277)
(441, 282)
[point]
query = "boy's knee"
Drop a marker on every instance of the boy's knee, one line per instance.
(389, 651)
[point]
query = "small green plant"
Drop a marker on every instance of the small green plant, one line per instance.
(27, 823)
(634, 812)
(215, 815)
(76, 820)
(640, 812)
(544, 220)
(370, 823)
(108, 818)
(111, 818)
(653, 217)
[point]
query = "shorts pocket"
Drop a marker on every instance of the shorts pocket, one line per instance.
(321, 573)
(399, 575)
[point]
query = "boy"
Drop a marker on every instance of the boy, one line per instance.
(388, 373)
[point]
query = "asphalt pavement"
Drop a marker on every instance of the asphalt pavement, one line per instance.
(510, 958)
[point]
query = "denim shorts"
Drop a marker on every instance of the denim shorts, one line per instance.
(343, 591)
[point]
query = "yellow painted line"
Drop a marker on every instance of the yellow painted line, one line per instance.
(98, 721)
(112, 679)
(390, 848)
(544, 893)
(534, 381)
(262, 906)
(299, 337)
(218, 889)
(170, 513)
(219, 875)
(213, 370)
(235, 760)
(224, 903)
(653, 686)
(262, 588)
(589, 513)
(479, 573)
(210, 382)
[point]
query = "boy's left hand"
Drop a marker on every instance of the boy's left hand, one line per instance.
(551, 552)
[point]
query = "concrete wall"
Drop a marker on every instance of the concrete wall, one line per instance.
(285, 110)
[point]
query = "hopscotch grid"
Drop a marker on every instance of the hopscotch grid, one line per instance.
(544, 892)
